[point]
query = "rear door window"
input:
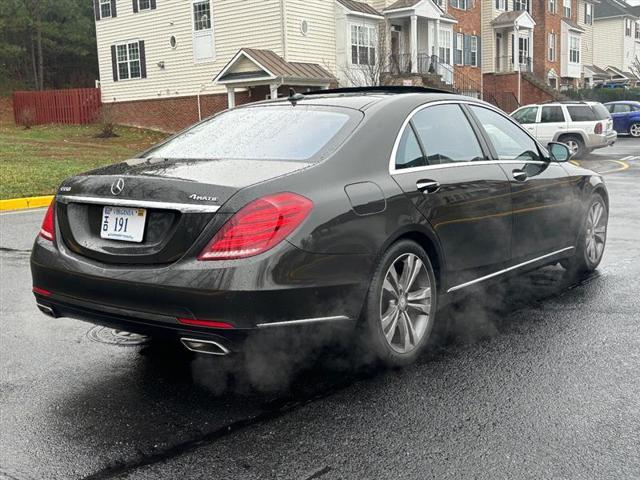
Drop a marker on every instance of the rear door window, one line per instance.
(446, 135)
(552, 114)
(581, 113)
(279, 132)
(409, 153)
(509, 141)
(526, 115)
(621, 108)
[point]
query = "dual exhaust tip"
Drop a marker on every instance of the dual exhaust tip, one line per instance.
(206, 347)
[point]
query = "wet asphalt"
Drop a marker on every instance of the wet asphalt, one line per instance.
(535, 377)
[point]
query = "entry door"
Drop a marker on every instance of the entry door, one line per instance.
(542, 193)
(467, 203)
(523, 51)
(498, 52)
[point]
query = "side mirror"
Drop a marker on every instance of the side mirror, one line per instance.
(559, 152)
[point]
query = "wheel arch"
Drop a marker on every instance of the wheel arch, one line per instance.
(578, 133)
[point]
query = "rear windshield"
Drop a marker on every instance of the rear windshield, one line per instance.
(601, 112)
(279, 132)
(586, 113)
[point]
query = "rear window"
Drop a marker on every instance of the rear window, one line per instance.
(281, 132)
(581, 113)
(601, 112)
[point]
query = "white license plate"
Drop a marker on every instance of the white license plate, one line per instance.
(124, 224)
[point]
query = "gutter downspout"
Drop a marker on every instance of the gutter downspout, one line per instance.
(283, 16)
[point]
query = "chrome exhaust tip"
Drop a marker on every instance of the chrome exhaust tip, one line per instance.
(47, 310)
(207, 347)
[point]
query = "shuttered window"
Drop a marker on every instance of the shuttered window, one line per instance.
(104, 9)
(128, 61)
(139, 5)
(458, 49)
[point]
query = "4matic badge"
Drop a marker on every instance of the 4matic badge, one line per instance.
(202, 198)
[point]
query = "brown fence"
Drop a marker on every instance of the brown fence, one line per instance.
(74, 106)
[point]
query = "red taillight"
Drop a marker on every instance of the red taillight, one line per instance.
(258, 226)
(598, 128)
(48, 229)
(41, 291)
(205, 323)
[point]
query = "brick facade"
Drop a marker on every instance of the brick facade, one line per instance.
(502, 90)
(169, 114)
(469, 23)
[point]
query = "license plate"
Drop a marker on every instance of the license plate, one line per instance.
(124, 224)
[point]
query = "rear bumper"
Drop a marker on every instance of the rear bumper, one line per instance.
(600, 141)
(288, 287)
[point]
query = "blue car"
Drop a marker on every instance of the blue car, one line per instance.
(626, 117)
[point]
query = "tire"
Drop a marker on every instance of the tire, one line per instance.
(592, 239)
(634, 130)
(575, 144)
(395, 328)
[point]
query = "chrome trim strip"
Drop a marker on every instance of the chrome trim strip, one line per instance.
(501, 272)
(304, 321)
(122, 202)
(480, 103)
(223, 350)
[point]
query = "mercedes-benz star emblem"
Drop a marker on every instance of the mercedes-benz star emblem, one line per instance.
(117, 186)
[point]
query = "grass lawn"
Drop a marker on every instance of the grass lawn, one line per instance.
(34, 162)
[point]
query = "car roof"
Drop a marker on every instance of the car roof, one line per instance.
(623, 102)
(560, 102)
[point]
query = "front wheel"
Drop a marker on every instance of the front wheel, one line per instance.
(401, 305)
(592, 239)
(634, 130)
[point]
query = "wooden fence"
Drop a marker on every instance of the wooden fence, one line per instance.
(72, 106)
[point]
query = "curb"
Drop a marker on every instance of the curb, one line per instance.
(28, 202)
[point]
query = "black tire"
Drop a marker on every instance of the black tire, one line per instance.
(583, 261)
(575, 144)
(373, 338)
(634, 130)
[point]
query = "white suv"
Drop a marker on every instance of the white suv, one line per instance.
(583, 126)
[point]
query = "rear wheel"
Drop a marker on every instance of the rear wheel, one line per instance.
(575, 144)
(592, 239)
(401, 304)
(634, 130)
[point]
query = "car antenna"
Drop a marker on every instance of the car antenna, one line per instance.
(294, 97)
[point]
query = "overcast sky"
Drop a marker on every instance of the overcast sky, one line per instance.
(633, 2)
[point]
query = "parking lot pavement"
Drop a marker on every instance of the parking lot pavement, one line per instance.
(538, 379)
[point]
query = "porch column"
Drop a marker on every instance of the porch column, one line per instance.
(231, 97)
(531, 49)
(273, 90)
(414, 43)
(436, 38)
(515, 48)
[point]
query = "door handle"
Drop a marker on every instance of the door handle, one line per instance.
(520, 175)
(427, 186)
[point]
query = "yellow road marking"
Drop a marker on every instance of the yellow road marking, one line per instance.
(623, 165)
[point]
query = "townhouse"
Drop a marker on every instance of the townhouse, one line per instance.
(168, 63)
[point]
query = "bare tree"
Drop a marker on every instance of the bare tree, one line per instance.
(635, 66)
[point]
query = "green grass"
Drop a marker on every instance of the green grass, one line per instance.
(34, 162)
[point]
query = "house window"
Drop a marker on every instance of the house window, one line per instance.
(588, 14)
(523, 51)
(566, 8)
(105, 8)
(461, 4)
(363, 41)
(444, 52)
(144, 4)
(521, 5)
(128, 60)
(552, 47)
(501, 4)
(627, 27)
(553, 6)
(459, 52)
(202, 15)
(473, 55)
(574, 49)
(637, 30)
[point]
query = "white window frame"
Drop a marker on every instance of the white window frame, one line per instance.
(521, 3)
(638, 30)
(553, 6)
(460, 4)
(551, 51)
(574, 49)
(473, 49)
(628, 27)
(588, 14)
(365, 37)
(194, 22)
(128, 60)
(445, 38)
(566, 8)
(501, 5)
(140, 8)
(101, 5)
(460, 47)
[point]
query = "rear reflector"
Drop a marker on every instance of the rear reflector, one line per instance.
(205, 323)
(41, 291)
(47, 230)
(258, 227)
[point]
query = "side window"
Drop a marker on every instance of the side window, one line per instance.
(610, 108)
(446, 135)
(581, 113)
(621, 108)
(552, 114)
(509, 141)
(526, 115)
(409, 153)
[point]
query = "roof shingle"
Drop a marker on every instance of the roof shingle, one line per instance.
(359, 7)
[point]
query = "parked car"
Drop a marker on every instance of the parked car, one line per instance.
(626, 117)
(366, 208)
(583, 126)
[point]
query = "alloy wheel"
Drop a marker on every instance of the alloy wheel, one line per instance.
(573, 146)
(634, 130)
(596, 234)
(405, 303)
